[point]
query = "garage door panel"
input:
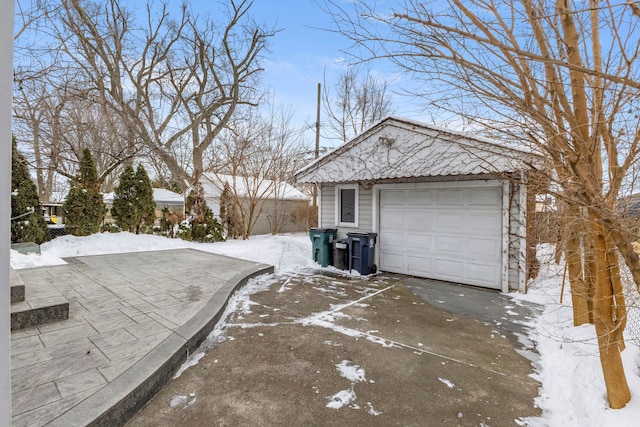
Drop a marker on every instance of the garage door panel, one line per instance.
(390, 198)
(484, 197)
(393, 241)
(393, 262)
(419, 243)
(449, 244)
(418, 266)
(418, 221)
(449, 220)
(450, 197)
(482, 273)
(446, 234)
(393, 219)
(420, 197)
(487, 224)
(448, 269)
(487, 249)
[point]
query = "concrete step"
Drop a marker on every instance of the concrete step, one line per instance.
(35, 304)
(17, 288)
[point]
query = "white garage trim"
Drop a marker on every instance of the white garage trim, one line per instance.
(522, 233)
(505, 237)
(502, 264)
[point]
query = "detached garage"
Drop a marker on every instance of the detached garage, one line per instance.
(445, 205)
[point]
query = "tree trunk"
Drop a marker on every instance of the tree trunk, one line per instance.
(533, 235)
(606, 316)
(620, 309)
(580, 294)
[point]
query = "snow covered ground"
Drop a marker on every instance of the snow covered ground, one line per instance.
(572, 391)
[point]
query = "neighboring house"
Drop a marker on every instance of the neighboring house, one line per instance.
(445, 205)
(629, 206)
(168, 199)
(52, 209)
(163, 198)
(280, 202)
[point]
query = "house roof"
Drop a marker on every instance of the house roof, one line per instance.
(629, 205)
(245, 187)
(160, 195)
(400, 148)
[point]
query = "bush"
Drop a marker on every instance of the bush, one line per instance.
(84, 208)
(202, 226)
(133, 205)
(169, 222)
(109, 227)
(27, 220)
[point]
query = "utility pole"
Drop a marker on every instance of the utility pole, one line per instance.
(317, 153)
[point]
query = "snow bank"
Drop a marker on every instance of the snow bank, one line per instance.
(286, 252)
(573, 393)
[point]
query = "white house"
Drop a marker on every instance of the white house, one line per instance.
(279, 200)
(164, 199)
(445, 205)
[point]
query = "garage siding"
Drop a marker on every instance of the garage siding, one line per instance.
(328, 211)
(327, 206)
(365, 223)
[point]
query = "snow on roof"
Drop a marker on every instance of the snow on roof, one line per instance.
(166, 196)
(213, 184)
(401, 148)
(160, 195)
(57, 197)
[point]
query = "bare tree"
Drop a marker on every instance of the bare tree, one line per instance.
(173, 84)
(57, 124)
(562, 76)
(360, 100)
(255, 157)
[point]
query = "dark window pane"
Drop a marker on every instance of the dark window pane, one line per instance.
(348, 205)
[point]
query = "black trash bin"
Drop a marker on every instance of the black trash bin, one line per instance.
(341, 254)
(362, 250)
(322, 242)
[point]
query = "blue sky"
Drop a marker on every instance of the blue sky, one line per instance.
(304, 53)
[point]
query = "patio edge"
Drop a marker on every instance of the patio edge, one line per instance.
(118, 401)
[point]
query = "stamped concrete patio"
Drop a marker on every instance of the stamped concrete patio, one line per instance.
(133, 319)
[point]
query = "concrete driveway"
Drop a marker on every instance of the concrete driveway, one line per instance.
(315, 350)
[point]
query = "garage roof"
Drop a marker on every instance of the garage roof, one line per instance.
(246, 187)
(400, 148)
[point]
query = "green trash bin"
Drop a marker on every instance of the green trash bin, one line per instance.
(322, 244)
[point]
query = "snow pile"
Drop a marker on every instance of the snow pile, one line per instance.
(181, 400)
(573, 393)
(350, 371)
(286, 252)
(347, 397)
(446, 382)
(341, 398)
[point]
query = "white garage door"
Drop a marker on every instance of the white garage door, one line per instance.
(452, 234)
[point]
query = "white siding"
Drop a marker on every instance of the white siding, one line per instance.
(328, 211)
(327, 206)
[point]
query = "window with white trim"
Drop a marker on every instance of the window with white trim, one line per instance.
(347, 205)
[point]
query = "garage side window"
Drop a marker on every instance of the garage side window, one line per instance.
(347, 205)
